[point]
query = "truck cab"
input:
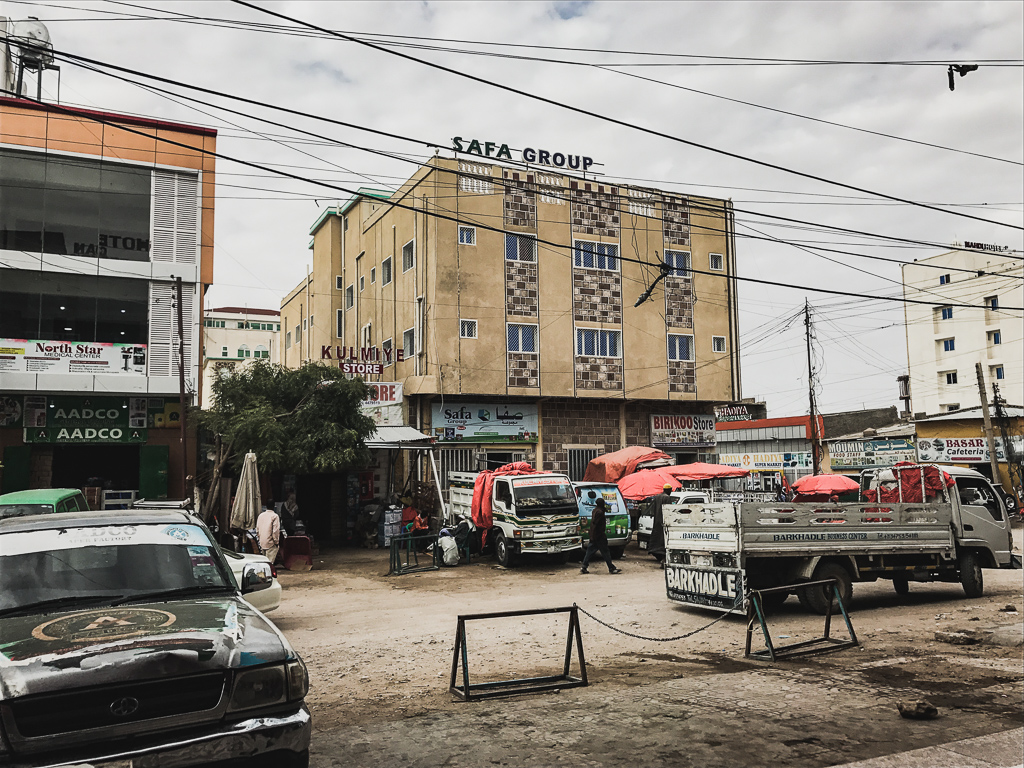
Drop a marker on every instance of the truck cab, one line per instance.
(617, 516)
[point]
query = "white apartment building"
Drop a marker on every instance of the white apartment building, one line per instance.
(233, 336)
(945, 342)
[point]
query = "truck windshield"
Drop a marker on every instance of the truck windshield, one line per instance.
(21, 510)
(543, 492)
(65, 566)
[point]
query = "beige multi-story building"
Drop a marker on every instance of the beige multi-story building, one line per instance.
(945, 342)
(233, 336)
(502, 300)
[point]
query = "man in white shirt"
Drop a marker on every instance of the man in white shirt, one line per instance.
(268, 527)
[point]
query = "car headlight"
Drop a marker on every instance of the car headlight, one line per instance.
(523, 534)
(261, 687)
(298, 680)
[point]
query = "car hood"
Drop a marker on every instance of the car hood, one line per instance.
(78, 649)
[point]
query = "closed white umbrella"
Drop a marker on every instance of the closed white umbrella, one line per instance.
(248, 503)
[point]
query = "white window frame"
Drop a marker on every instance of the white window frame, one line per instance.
(945, 313)
(998, 372)
(677, 271)
(339, 283)
(995, 337)
(350, 296)
(521, 238)
(373, 275)
(949, 377)
(471, 232)
(387, 272)
(519, 336)
(577, 255)
(719, 340)
(601, 338)
(244, 351)
(287, 339)
(406, 351)
(949, 345)
(260, 351)
(721, 262)
(412, 262)
(676, 358)
(387, 344)
(465, 324)
(366, 336)
(224, 351)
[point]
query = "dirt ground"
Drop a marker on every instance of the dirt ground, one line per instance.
(379, 652)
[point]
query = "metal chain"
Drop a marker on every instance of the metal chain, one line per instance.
(655, 639)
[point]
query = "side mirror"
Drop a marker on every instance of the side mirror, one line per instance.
(256, 577)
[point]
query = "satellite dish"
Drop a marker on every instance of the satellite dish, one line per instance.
(33, 41)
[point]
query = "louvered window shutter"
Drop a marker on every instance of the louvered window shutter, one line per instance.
(163, 328)
(175, 217)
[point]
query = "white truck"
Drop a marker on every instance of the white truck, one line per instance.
(717, 552)
(533, 514)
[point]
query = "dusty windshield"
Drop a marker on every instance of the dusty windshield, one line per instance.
(22, 510)
(543, 493)
(63, 567)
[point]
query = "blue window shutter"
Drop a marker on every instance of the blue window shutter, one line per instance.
(511, 247)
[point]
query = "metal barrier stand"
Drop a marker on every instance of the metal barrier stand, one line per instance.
(471, 691)
(405, 555)
(824, 644)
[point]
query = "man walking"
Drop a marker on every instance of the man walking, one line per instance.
(268, 527)
(656, 546)
(598, 539)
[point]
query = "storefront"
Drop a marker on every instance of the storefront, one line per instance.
(110, 442)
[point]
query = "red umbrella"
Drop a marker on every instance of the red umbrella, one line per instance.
(700, 471)
(646, 483)
(825, 484)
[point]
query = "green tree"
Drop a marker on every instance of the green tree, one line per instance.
(303, 420)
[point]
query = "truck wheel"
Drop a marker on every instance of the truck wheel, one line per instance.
(772, 602)
(815, 598)
(503, 550)
(901, 584)
(970, 574)
(618, 552)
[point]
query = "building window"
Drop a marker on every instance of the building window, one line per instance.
(298, 334)
(362, 283)
(385, 349)
(948, 345)
(950, 377)
(521, 338)
(223, 351)
(338, 284)
(998, 370)
(261, 351)
(996, 337)
(408, 255)
(366, 336)
(947, 313)
(679, 261)
(588, 255)
(594, 343)
(579, 458)
(350, 297)
(718, 343)
(373, 275)
(311, 321)
(520, 248)
(953, 407)
(716, 262)
(467, 329)
(243, 351)
(943, 279)
(385, 271)
(467, 235)
(992, 302)
(240, 325)
(344, 223)
(339, 324)
(680, 347)
(409, 343)
(288, 339)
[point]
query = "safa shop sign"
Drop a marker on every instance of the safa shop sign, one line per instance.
(484, 422)
(528, 155)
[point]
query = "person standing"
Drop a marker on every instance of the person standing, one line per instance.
(268, 528)
(599, 538)
(656, 546)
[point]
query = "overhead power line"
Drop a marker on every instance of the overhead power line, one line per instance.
(112, 122)
(623, 123)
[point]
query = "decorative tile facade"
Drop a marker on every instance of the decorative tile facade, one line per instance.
(676, 220)
(598, 373)
(596, 296)
(682, 376)
(594, 209)
(523, 369)
(520, 288)
(679, 301)
(520, 199)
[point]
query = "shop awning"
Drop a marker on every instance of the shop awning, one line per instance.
(398, 437)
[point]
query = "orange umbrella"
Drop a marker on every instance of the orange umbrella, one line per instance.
(825, 484)
(698, 470)
(646, 483)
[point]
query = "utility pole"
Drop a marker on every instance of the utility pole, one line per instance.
(815, 437)
(181, 392)
(988, 425)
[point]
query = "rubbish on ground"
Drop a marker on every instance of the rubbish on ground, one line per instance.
(918, 710)
(956, 638)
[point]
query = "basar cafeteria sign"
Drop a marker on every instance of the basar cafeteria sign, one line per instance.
(365, 361)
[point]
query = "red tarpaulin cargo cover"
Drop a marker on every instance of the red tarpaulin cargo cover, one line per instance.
(614, 466)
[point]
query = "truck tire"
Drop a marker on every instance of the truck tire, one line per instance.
(970, 574)
(503, 550)
(814, 599)
(901, 583)
(618, 552)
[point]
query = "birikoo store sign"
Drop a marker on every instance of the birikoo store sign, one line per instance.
(669, 432)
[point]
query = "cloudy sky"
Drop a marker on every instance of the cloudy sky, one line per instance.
(262, 220)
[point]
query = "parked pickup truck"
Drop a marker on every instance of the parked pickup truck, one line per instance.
(716, 552)
(533, 514)
(127, 642)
